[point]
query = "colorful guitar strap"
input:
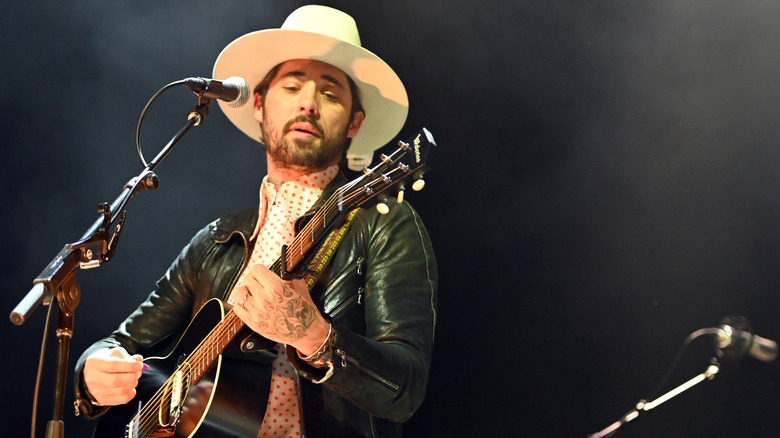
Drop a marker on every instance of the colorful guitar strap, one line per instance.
(322, 257)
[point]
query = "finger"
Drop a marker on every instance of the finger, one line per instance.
(119, 366)
(119, 358)
(112, 362)
(241, 312)
(102, 391)
(106, 383)
(300, 287)
(252, 284)
(257, 270)
(111, 390)
(114, 400)
(237, 293)
(261, 278)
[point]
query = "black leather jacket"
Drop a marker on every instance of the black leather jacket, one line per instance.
(379, 290)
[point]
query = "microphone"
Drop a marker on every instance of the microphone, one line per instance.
(233, 90)
(734, 339)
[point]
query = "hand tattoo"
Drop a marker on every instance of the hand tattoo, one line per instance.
(292, 316)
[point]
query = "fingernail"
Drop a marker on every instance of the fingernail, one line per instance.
(145, 367)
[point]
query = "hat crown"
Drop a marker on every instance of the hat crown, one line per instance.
(325, 21)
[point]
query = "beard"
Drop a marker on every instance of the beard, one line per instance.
(314, 154)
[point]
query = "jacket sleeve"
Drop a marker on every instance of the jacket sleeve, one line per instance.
(165, 311)
(384, 371)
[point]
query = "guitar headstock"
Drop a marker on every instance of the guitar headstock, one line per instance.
(401, 166)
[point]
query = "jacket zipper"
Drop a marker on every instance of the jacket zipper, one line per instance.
(343, 354)
(344, 359)
(358, 269)
(340, 307)
(344, 305)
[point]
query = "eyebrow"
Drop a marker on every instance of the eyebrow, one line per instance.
(328, 78)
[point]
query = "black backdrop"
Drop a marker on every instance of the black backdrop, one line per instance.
(604, 185)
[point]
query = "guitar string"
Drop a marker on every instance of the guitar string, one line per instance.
(296, 245)
(198, 353)
(146, 418)
(339, 197)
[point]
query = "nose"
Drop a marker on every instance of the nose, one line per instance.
(307, 101)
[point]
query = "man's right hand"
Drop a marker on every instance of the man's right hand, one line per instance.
(112, 375)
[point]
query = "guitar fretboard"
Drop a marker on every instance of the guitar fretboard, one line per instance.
(210, 348)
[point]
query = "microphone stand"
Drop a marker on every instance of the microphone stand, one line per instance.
(644, 406)
(57, 282)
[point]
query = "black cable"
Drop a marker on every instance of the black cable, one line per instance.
(143, 114)
(678, 356)
(40, 369)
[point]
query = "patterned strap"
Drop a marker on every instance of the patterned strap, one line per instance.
(321, 258)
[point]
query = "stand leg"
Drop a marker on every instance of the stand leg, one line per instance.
(68, 298)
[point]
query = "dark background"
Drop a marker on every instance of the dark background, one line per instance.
(605, 184)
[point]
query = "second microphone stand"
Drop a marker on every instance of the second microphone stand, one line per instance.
(644, 405)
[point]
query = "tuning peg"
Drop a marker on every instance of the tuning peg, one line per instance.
(382, 207)
(419, 184)
(400, 196)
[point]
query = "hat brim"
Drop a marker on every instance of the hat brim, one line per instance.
(382, 93)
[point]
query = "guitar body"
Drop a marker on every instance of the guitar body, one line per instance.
(227, 402)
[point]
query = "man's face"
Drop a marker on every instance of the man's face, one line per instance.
(305, 116)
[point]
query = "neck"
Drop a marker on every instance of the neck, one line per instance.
(278, 174)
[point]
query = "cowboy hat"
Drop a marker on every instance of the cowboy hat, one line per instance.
(328, 35)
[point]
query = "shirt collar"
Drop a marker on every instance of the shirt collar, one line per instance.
(296, 196)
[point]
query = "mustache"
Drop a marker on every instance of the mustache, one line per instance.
(305, 119)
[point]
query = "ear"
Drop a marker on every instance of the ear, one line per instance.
(258, 108)
(354, 126)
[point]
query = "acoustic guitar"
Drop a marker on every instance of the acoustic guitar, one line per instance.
(205, 386)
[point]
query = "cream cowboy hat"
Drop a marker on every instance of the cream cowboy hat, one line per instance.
(329, 35)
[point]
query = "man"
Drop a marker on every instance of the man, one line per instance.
(353, 352)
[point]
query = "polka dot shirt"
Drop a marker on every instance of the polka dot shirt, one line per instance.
(280, 207)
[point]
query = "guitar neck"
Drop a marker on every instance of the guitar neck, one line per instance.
(299, 252)
(211, 347)
(402, 163)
